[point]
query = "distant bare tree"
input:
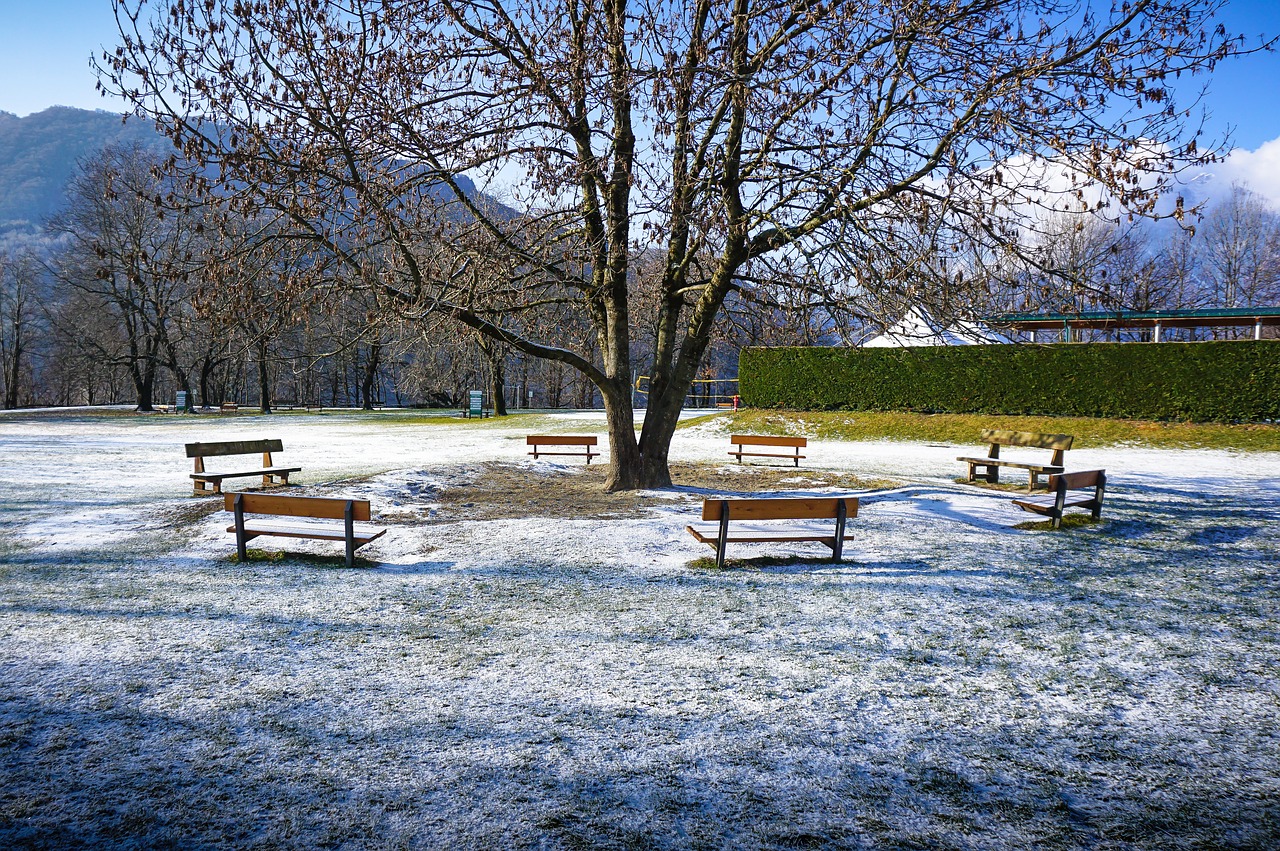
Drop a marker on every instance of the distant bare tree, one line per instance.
(130, 251)
(744, 140)
(19, 323)
(1240, 247)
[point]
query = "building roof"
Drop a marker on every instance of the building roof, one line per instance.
(1225, 317)
(918, 328)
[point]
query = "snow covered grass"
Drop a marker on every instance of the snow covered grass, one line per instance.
(959, 681)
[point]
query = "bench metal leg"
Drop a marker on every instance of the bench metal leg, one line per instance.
(241, 552)
(722, 541)
(348, 517)
(837, 549)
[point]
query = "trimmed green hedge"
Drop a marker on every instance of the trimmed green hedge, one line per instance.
(1226, 381)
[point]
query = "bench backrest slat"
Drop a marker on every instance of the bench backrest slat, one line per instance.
(768, 440)
(1073, 481)
(560, 440)
(1032, 439)
(787, 508)
(322, 507)
(233, 447)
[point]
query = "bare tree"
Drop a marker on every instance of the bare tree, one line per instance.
(744, 140)
(19, 318)
(1240, 246)
(130, 252)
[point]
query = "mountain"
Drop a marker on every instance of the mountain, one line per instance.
(39, 154)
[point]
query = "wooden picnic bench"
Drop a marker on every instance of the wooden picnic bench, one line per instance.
(353, 529)
(1068, 490)
(583, 442)
(211, 483)
(743, 440)
(775, 508)
(995, 438)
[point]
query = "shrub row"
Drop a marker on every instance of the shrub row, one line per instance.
(1226, 381)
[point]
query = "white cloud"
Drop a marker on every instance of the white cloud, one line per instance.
(1257, 170)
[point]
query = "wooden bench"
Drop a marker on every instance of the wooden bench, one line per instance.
(584, 442)
(775, 508)
(354, 529)
(211, 483)
(228, 408)
(995, 438)
(1068, 490)
(742, 440)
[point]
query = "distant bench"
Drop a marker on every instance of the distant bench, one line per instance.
(354, 529)
(839, 509)
(744, 440)
(1068, 490)
(583, 442)
(211, 483)
(228, 408)
(996, 438)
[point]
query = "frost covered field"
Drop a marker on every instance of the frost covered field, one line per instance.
(536, 682)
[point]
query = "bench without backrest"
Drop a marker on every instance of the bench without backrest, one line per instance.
(584, 442)
(211, 483)
(741, 440)
(775, 508)
(1068, 490)
(995, 438)
(353, 529)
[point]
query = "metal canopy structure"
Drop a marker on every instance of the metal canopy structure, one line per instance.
(1067, 324)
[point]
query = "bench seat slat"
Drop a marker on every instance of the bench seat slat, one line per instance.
(575, 454)
(711, 534)
(362, 533)
(263, 472)
(1034, 503)
(766, 454)
(1000, 462)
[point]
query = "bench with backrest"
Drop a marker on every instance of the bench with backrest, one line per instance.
(228, 408)
(995, 438)
(761, 511)
(211, 483)
(744, 440)
(582, 444)
(1068, 490)
(352, 516)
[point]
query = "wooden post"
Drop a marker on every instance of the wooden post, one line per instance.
(241, 552)
(348, 516)
(841, 514)
(722, 542)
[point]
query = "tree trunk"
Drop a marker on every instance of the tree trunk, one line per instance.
(496, 355)
(370, 375)
(207, 367)
(145, 382)
(264, 378)
(12, 372)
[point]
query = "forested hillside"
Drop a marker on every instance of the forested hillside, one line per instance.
(39, 153)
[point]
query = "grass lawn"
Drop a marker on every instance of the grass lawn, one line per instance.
(526, 662)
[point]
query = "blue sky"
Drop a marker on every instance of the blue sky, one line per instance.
(45, 47)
